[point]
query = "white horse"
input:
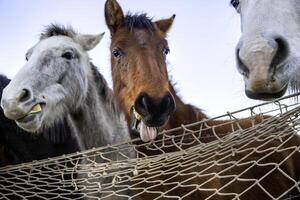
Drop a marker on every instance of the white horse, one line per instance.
(268, 53)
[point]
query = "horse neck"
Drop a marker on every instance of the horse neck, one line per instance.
(187, 114)
(97, 121)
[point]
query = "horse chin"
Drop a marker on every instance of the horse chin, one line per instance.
(32, 122)
(146, 130)
(266, 96)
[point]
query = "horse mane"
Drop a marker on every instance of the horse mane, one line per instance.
(56, 30)
(138, 21)
(3, 83)
(105, 92)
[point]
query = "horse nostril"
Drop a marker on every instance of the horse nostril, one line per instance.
(243, 69)
(168, 103)
(141, 104)
(144, 103)
(24, 95)
(281, 53)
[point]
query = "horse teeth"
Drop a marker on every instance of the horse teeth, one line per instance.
(137, 115)
(35, 109)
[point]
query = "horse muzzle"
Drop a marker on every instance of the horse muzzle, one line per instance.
(23, 108)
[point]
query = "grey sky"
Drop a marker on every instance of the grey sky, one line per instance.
(202, 42)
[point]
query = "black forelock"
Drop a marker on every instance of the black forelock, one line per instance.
(57, 29)
(138, 21)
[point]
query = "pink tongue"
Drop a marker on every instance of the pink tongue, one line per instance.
(147, 133)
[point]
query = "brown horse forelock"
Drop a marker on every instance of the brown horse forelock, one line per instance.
(143, 69)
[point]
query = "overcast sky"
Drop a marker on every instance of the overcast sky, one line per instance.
(202, 42)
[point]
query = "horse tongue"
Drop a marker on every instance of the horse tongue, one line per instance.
(152, 132)
(147, 133)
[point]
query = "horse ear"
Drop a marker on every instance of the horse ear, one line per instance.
(113, 15)
(88, 42)
(165, 24)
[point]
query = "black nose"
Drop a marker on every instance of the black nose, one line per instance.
(153, 109)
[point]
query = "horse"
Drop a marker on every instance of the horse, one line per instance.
(140, 78)
(267, 54)
(59, 84)
(147, 97)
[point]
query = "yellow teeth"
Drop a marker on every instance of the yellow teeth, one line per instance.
(35, 109)
(137, 115)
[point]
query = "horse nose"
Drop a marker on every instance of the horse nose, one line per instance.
(259, 61)
(155, 107)
(274, 48)
(15, 102)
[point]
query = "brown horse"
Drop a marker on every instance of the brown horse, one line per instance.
(140, 78)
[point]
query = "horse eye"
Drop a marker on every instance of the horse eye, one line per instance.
(26, 58)
(68, 55)
(235, 3)
(166, 51)
(117, 53)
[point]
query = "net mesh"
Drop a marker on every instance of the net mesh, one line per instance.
(217, 158)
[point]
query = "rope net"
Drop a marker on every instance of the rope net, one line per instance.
(217, 158)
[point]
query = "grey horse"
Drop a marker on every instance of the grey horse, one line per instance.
(59, 82)
(268, 53)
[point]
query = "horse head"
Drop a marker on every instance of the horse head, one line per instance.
(138, 56)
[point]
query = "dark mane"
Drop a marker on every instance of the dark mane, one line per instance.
(138, 21)
(104, 90)
(3, 83)
(56, 29)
